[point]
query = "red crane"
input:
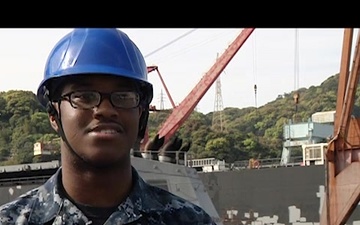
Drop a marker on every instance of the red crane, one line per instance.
(343, 153)
(155, 68)
(181, 112)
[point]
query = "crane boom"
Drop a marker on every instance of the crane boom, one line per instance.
(186, 107)
(153, 68)
(343, 153)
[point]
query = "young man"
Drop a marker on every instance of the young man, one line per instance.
(96, 91)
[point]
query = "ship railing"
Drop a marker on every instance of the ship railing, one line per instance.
(296, 161)
(203, 162)
(30, 166)
(265, 163)
(180, 158)
(175, 157)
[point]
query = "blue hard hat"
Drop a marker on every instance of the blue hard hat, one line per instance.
(95, 51)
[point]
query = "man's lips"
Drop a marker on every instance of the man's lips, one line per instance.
(107, 128)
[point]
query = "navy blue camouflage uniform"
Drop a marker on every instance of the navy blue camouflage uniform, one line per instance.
(145, 204)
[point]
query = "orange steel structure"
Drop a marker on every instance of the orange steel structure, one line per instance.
(155, 68)
(343, 153)
(181, 112)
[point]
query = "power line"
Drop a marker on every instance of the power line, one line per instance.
(171, 42)
(190, 47)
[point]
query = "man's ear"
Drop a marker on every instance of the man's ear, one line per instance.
(141, 111)
(143, 118)
(53, 123)
(52, 112)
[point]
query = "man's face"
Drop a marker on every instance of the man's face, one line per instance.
(102, 135)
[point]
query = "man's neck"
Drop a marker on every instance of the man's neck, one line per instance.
(97, 188)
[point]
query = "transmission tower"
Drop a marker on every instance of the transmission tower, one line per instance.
(162, 100)
(217, 120)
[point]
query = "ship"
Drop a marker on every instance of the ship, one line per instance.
(287, 190)
(279, 195)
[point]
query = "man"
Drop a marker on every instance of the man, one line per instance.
(96, 91)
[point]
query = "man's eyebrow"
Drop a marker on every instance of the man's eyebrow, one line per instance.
(126, 84)
(79, 84)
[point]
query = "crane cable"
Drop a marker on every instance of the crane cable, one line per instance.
(296, 70)
(254, 66)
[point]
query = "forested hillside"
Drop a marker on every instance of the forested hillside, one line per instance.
(247, 132)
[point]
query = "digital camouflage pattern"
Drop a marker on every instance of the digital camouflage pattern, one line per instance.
(146, 204)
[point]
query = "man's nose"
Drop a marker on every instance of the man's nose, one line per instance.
(105, 109)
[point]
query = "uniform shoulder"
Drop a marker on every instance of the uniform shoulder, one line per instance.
(176, 207)
(18, 208)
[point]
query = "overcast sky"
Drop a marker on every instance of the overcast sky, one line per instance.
(278, 61)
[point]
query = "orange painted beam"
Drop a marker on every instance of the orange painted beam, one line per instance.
(343, 153)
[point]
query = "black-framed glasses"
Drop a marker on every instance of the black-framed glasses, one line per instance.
(92, 99)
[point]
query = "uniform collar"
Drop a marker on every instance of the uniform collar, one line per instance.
(50, 203)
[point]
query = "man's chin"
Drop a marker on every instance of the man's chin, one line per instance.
(105, 163)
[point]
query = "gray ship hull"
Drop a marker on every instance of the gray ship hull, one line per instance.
(283, 195)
